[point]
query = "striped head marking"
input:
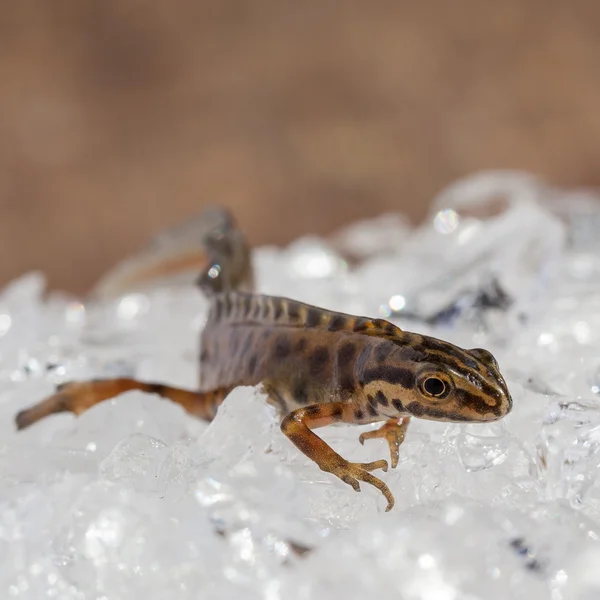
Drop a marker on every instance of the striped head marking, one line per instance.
(438, 381)
(453, 384)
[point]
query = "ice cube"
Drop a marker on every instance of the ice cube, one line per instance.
(488, 246)
(453, 550)
(379, 236)
(135, 462)
(106, 424)
(136, 498)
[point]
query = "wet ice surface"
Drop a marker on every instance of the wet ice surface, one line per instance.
(134, 499)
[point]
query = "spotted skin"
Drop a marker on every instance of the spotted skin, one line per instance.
(318, 367)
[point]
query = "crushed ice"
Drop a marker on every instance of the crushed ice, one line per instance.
(135, 499)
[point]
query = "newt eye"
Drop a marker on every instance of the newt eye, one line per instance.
(434, 387)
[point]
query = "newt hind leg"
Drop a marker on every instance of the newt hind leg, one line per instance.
(297, 427)
(77, 397)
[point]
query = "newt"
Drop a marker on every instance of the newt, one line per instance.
(179, 254)
(317, 367)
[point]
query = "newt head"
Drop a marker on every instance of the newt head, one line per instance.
(452, 384)
(431, 379)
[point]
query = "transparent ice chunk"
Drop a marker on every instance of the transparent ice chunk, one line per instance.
(310, 258)
(135, 462)
(117, 541)
(488, 246)
(569, 451)
(421, 554)
(382, 235)
(136, 498)
(102, 427)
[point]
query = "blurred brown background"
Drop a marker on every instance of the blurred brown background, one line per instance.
(118, 118)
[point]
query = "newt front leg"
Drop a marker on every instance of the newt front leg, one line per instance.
(297, 427)
(394, 432)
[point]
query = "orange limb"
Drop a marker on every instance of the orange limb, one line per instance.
(77, 397)
(394, 432)
(297, 427)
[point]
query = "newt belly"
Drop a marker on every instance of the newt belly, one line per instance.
(318, 367)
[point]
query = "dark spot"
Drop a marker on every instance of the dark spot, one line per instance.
(389, 374)
(234, 341)
(255, 310)
(264, 309)
(157, 388)
(267, 311)
(534, 565)
(345, 365)
(346, 352)
(359, 414)
(476, 403)
(245, 304)
(293, 311)
(397, 404)
(318, 361)
(521, 548)
(450, 361)
(300, 345)
(299, 549)
(337, 322)
(252, 364)
(371, 405)
(390, 329)
(438, 345)
(419, 349)
(380, 323)
(337, 412)
(491, 392)
(416, 409)
(412, 354)
(217, 309)
(282, 348)
(347, 384)
(313, 411)
(204, 355)
(248, 305)
(382, 351)
(313, 317)
(278, 308)
(380, 397)
(300, 395)
(302, 443)
(362, 324)
(460, 356)
(226, 305)
(519, 545)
